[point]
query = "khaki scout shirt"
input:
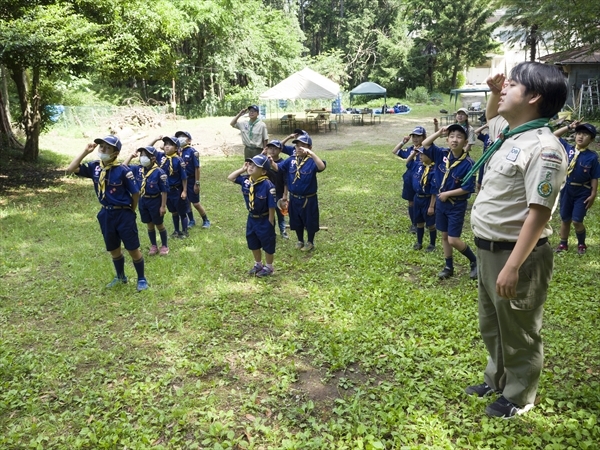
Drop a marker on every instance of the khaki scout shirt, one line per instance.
(259, 133)
(529, 168)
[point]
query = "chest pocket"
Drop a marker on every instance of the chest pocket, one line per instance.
(506, 169)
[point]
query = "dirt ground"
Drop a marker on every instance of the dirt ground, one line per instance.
(214, 136)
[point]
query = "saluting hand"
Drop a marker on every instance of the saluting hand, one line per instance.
(496, 83)
(90, 148)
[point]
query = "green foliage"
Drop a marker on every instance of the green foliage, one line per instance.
(417, 95)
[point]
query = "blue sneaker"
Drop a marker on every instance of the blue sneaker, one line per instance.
(206, 224)
(191, 223)
(142, 285)
(116, 281)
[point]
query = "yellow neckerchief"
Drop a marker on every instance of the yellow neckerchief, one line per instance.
(425, 173)
(170, 158)
(298, 167)
(145, 178)
(574, 160)
(251, 194)
(102, 177)
(450, 167)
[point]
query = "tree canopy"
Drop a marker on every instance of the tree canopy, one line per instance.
(228, 51)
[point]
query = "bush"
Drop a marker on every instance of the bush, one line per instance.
(417, 95)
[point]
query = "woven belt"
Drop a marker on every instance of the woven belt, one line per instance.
(494, 246)
(424, 195)
(258, 216)
(152, 196)
(303, 196)
(109, 207)
(587, 186)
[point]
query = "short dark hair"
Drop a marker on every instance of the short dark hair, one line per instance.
(543, 79)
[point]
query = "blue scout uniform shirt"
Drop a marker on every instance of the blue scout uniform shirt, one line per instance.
(288, 150)
(306, 184)
(264, 195)
(404, 153)
(586, 167)
(278, 178)
(454, 179)
(156, 182)
(174, 167)
(485, 138)
(120, 183)
(191, 158)
(417, 170)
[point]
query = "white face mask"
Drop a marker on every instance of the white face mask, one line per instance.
(105, 156)
(145, 161)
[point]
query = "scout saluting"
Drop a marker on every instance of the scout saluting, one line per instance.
(118, 194)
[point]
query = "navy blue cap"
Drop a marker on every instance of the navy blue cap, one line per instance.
(303, 139)
(586, 128)
(275, 143)
(255, 107)
(419, 131)
(299, 131)
(110, 140)
(148, 149)
(183, 133)
(172, 140)
(456, 127)
(259, 160)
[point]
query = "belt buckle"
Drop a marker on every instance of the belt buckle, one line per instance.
(492, 246)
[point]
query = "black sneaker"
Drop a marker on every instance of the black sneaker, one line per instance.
(430, 248)
(417, 246)
(505, 409)
(473, 273)
(481, 390)
(447, 272)
(413, 229)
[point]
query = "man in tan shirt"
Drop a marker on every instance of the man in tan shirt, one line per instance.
(254, 132)
(524, 171)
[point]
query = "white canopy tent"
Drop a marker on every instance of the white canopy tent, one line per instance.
(306, 84)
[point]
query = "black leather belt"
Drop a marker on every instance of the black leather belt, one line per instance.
(424, 195)
(494, 246)
(175, 187)
(152, 196)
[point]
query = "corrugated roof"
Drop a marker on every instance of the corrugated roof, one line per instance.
(580, 55)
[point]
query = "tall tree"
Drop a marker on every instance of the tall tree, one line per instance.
(452, 36)
(35, 42)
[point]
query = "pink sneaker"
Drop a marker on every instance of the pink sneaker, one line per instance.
(164, 250)
(153, 250)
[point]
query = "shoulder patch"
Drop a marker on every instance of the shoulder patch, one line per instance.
(129, 175)
(273, 191)
(196, 154)
(551, 155)
(544, 189)
(164, 177)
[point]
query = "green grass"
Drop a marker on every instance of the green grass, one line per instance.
(356, 345)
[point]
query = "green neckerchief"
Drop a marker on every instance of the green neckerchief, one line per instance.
(504, 135)
(251, 126)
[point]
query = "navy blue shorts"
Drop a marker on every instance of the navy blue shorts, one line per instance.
(150, 210)
(304, 213)
(118, 225)
(420, 208)
(191, 195)
(450, 217)
(408, 193)
(260, 234)
(572, 206)
(175, 204)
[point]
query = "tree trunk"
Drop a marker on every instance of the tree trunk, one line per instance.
(455, 68)
(533, 40)
(30, 109)
(7, 137)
